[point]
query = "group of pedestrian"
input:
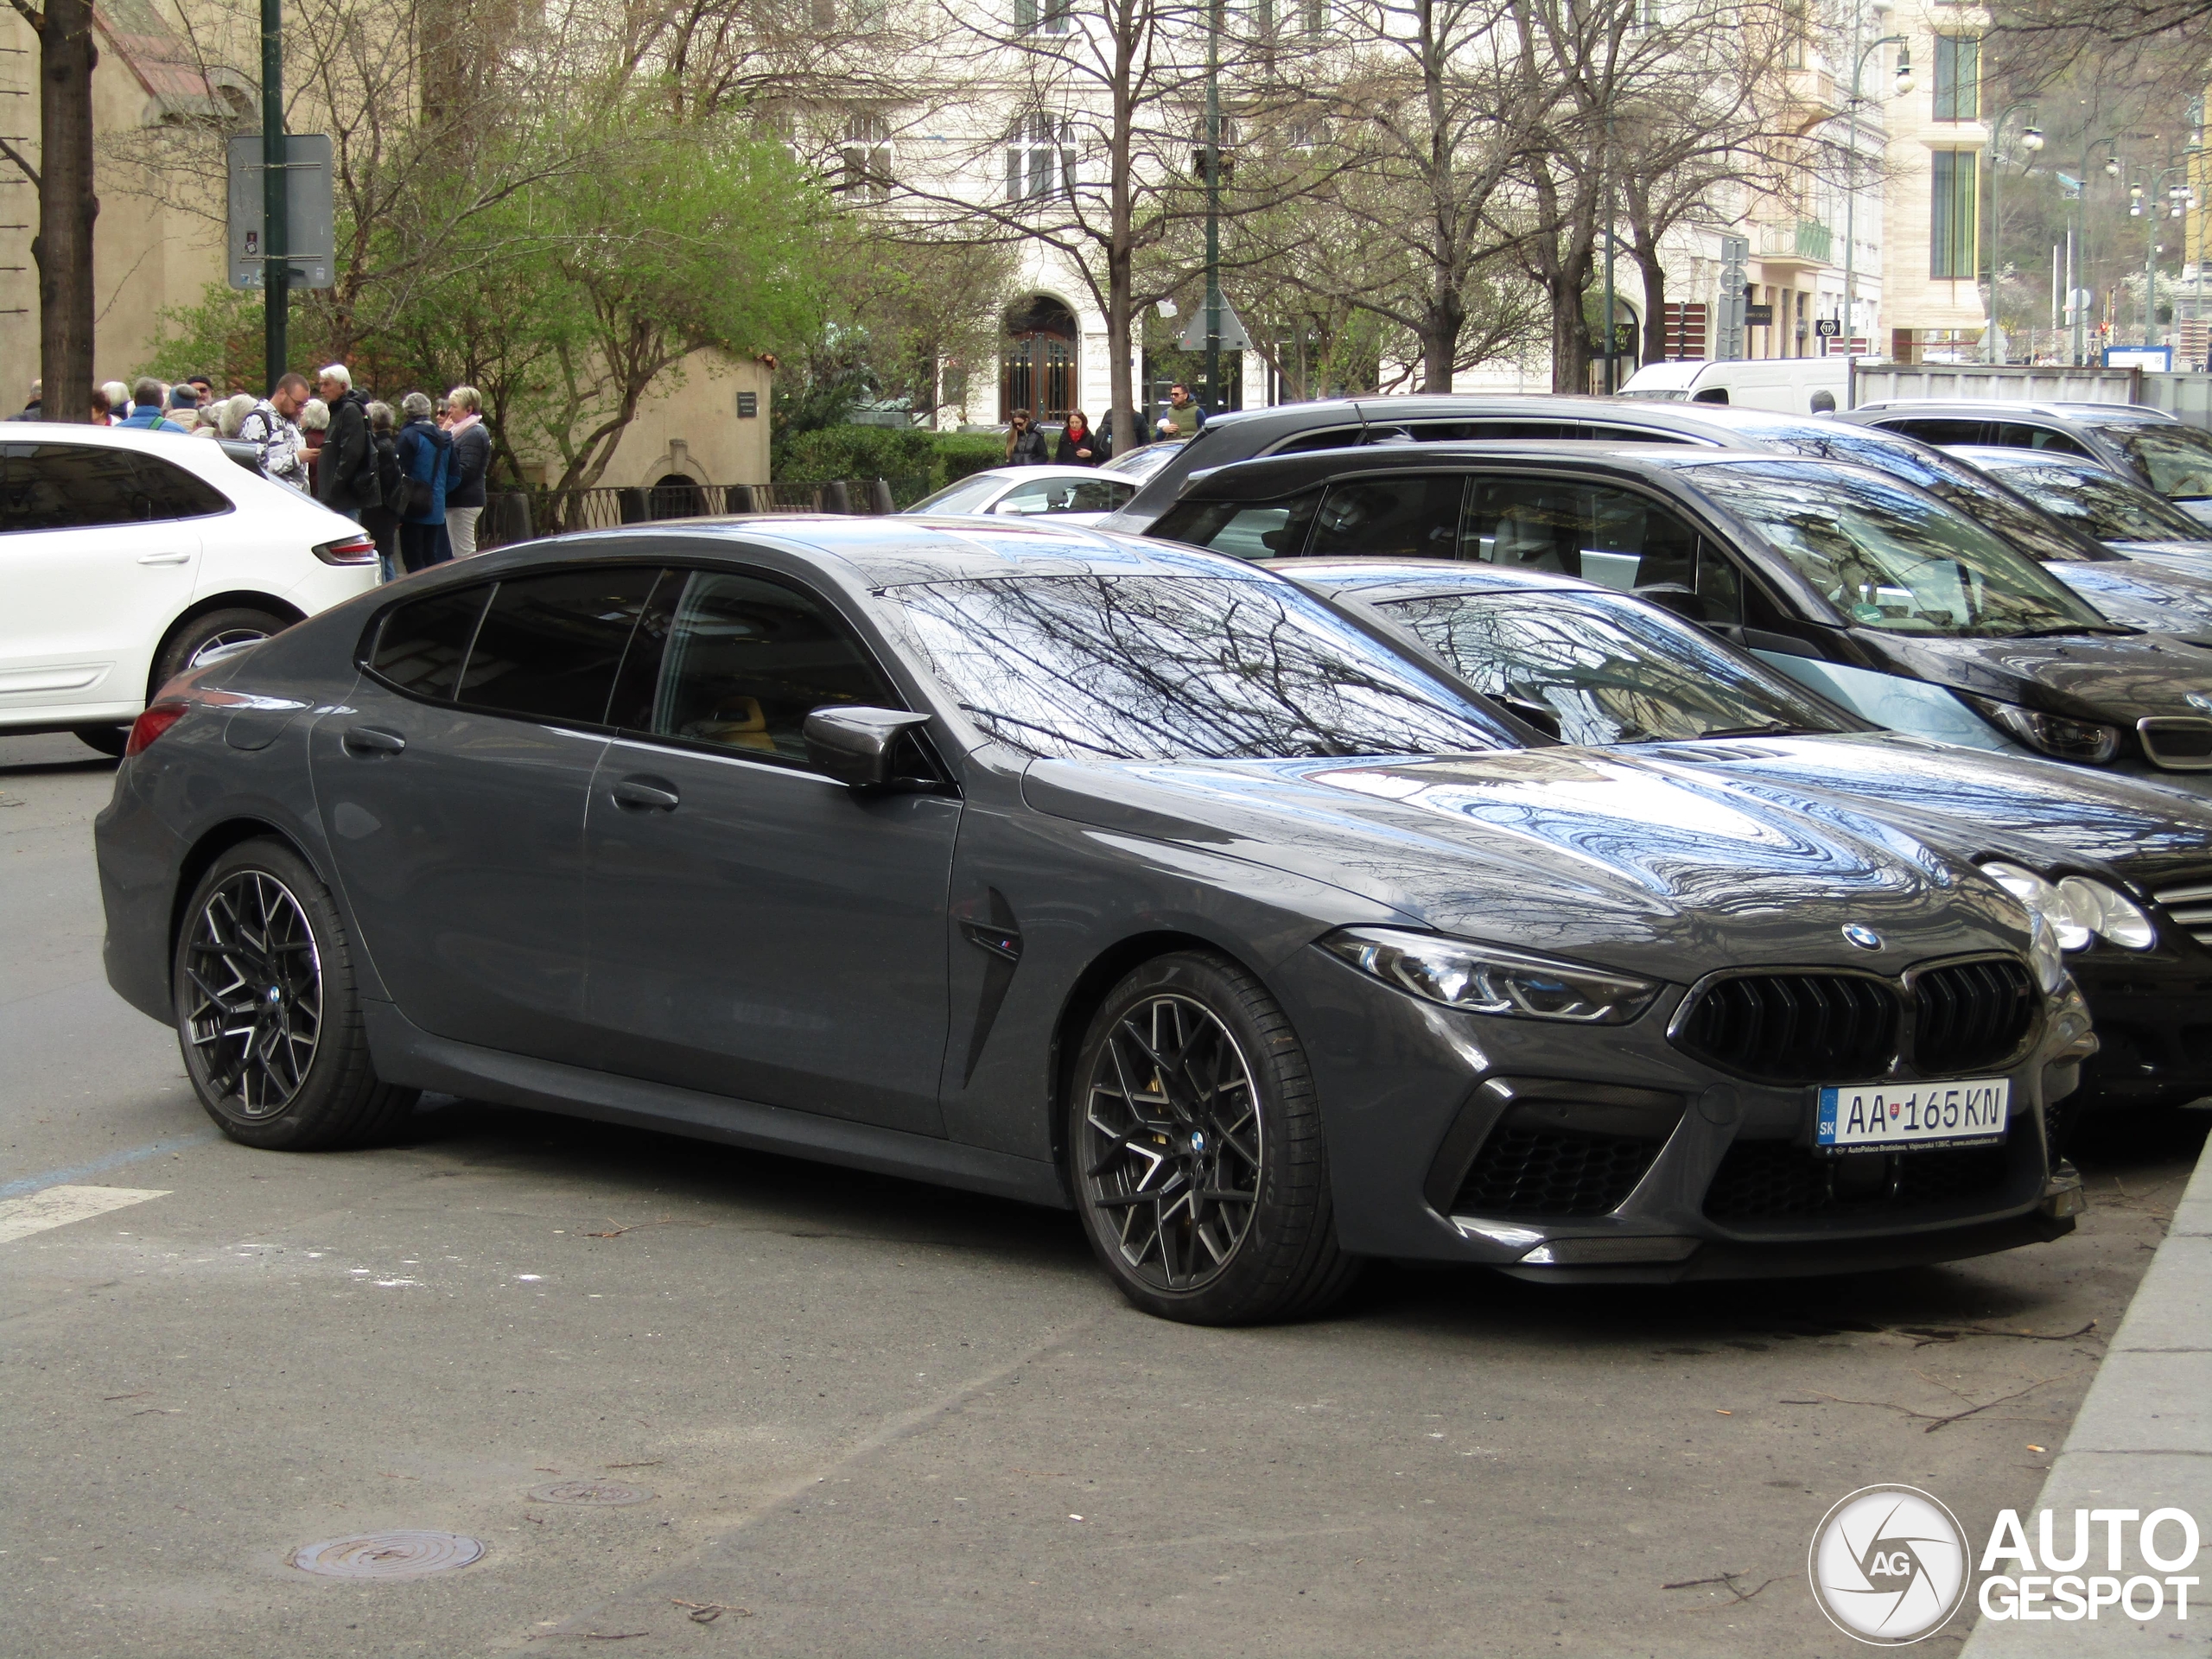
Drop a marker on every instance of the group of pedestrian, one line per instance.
(414, 480)
(1080, 445)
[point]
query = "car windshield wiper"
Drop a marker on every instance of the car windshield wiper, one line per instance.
(1766, 728)
(2077, 627)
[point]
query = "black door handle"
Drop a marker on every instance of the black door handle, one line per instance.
(646, 794)
(373, 740)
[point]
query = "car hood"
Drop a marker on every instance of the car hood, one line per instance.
(2039, 810)
(2195, 557)
(2112, 679)
(2151, 597)
(1585, 853)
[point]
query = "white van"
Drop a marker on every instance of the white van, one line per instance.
(1790, 385)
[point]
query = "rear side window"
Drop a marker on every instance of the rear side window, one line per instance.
(1415, 518)
(1935, 431)
(1332, 437)
(422, 645)
(1243, 530)
(80, 485)
(549, 645)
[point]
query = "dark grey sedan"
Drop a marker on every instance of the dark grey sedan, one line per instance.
(1087, 871)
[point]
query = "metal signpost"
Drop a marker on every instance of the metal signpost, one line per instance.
(308, 225)
(1728, 334)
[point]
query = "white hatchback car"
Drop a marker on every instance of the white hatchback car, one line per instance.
(1073, 495)
(127, 557)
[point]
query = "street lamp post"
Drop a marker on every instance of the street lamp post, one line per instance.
(2144, 204)
(2030, 141)
(1859, 56)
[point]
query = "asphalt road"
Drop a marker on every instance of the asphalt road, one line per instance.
(874, 1418)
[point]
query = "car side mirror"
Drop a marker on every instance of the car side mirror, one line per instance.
(854, 745)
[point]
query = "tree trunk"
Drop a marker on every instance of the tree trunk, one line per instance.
(1655, 301)
(1446, 321)
(1565, 288)
(67, 208)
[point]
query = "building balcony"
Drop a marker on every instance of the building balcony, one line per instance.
(1807, 241)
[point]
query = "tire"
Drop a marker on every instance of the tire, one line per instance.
(190, 644)
(266, 1010)
(108, 740)
(1234, 1111)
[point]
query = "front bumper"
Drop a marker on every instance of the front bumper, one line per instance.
(1719, 1178)
(2154, 1020)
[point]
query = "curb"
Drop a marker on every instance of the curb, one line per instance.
(2142, 1440)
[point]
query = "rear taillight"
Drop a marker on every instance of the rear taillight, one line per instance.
(157, 719)
(350, 549)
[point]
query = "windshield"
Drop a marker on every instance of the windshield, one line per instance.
(1608, 670)
(961, 496)
(2176, 459)
(1949, 480)
(2107, 507)
(1140, 464)
(1890, 558)
(1133, 668)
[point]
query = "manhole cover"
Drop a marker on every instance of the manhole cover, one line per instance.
(388, 1555)
(605, 1493)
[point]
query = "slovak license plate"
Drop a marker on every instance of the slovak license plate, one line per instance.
(1965, 1112)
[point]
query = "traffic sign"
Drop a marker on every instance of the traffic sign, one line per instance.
(310, 221)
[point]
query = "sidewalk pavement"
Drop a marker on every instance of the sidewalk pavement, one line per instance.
(2142, 1440)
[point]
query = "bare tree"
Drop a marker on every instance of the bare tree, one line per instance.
(1085, 127)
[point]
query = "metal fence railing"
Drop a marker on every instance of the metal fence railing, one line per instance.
(517, 515)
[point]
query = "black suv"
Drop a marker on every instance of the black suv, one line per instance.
(1869, 590)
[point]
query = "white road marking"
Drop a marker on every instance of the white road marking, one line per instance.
(57, 1206)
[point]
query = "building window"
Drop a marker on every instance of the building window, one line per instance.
(867, 159)
(1039, 159)
(1958, 78)
(1952, 246)
(1043, 16)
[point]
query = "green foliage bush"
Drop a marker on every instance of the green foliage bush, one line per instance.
(917, 463)
(830, 452)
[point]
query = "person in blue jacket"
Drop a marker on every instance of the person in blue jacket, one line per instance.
(425, 455)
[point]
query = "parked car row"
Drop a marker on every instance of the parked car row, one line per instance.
(1723, 843)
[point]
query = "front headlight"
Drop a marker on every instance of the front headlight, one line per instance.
(2052, 734)
(2078, 908)
(2109, 913)
(2047, 945)
(1484, 979)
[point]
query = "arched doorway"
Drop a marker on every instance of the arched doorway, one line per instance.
(1037, 359)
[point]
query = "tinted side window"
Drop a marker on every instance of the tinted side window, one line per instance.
(1415, 518)
(1334, 438)
(71, 486)
(1262, 530)
(549, 645)
(749, 659)
(421, 647)
(1935, 431)
(2018, 435)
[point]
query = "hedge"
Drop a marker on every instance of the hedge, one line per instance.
(917, 462)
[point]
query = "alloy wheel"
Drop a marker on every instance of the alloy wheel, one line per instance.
(217, 646)
(256, 992)
(1172, 1141)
